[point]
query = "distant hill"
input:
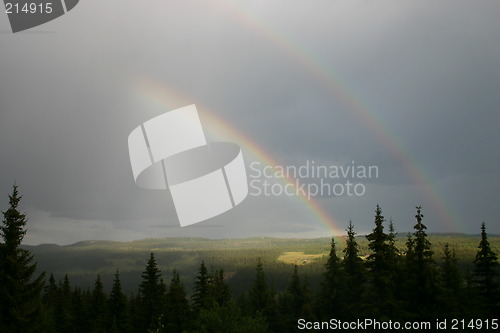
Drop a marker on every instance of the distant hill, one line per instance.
(82, 261)
(200, 242)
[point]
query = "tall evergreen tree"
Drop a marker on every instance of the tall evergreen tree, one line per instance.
(50, 291)
(201, 291)
(219, 289)
(450, 284)
(378, 244)
(393, 252)
(118, 306)
(330, 300)
(486, 275)
(295, 302)
(63, 314)
(177, 306)
(297, 292)
(421, 244)
(409, 252)
(81, 317)
(49, 299)
(151, 295)
(260, 295)
(354, 271)
(20, 292)
(262, 299)
(450, 274)
(99, 307)
(421, 271)
(380, 297)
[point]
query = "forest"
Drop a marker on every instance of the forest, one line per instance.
(375, 282)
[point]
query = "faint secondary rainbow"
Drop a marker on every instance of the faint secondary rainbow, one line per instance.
(333, 84)
(164, 95)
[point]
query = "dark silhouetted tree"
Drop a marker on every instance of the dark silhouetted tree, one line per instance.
(151, 295)
(393, 253)
(118, 307)
(20, 292)
(354, 273)
(219, 289)
(377, 260)
(450, 284)
(99, 307)
(330, 300)
(380, 297)
(201, 290)
(296, 290)
(80, 314)
(49, 299)
(260, 295)
(486, 276)
(262, 299)
(50, 291)
(295, 301)
(421, 272)
(63, 315)
(178, 313)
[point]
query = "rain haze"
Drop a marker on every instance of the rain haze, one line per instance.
(410, 87)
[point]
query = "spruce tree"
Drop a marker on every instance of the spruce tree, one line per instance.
(449, 269)
(49, 298)
(262, 299)
(486, 276)
(99, 307)
(63, 315)
(219, 289)
(379, 299)
(378, 244)
(294, 303)
(295, 289)
(409, 252)
(81, 316)
(392, 250)
(118, 306)
(330, 301)
(151, 295)
(201, 291)
(20, 291)
(178, 312)
(421, 244)
(450, 284)
(260, 295)
(421, 272)
(354, 273)
(50, 291)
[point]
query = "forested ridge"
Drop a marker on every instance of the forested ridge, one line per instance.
(379, 276)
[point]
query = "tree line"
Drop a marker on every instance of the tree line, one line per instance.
(390, 284)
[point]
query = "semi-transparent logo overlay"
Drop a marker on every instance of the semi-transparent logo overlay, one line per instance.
(26, 14)
(204, 179)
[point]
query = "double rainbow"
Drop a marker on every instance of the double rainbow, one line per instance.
(333, 84)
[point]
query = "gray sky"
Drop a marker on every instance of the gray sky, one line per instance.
(410, 87)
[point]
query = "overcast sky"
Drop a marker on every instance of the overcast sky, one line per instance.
(411, 87)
